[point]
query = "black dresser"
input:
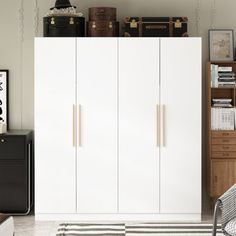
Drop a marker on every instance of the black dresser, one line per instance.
(16, 172)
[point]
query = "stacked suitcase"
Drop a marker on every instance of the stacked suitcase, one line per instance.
(64, 26)
(102, 22)
(155, 27)
(63, 21)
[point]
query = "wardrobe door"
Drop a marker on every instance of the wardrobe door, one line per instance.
(138, 125)
(55, 179)
(97, 144)
(180, 168)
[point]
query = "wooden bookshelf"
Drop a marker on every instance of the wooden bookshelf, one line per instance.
(221, 148)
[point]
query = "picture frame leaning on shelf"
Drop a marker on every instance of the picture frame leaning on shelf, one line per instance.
(221, 44)
(4, 74)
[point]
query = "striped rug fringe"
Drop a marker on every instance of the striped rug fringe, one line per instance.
(91, 229)
(139, 229)
(177, 229)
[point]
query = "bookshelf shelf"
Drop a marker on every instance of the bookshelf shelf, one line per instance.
(221, 148)
(223, 88)
(223, 62)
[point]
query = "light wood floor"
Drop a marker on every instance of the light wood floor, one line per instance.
(27, 226)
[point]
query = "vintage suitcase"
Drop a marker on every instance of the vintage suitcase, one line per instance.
(102, 14)
(102, 29)
(64, 26)
(155, 27)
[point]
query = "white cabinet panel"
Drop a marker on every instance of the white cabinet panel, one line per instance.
(55, 183)
(97, 97)
(138, 150)
(180, 177)
(117, 85)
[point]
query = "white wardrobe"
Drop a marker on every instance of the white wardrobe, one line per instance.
(118, 128)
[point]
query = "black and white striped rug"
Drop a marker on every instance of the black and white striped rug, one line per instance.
(136, 229)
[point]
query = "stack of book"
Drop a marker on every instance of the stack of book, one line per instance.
(222, 76)
(222, 102)
(226, 76)
(222, 118)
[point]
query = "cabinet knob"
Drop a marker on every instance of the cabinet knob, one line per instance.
(2, 140)
(225, 154)
(215, 179)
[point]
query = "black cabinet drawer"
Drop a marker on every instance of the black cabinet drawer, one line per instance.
(13, 199)
(16, 172)
(14, 186)
(12, 147)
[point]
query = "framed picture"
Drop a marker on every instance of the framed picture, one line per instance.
(4, 97)
(221, 44)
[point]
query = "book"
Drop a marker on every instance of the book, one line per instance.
(231, 85)
(226, 79)
(226, 82)
(222, 105)
(222, 76)
(222, 100)
(214, 75)
(225, 68)
(223, 118)
(226, 73)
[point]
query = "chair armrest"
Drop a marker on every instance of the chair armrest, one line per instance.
(228, 205)
(216, 210)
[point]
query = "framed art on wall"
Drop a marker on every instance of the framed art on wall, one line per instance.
(221, 45)
(4, 97)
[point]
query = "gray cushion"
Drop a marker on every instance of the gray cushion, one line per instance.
(228, 205)
(230, 227)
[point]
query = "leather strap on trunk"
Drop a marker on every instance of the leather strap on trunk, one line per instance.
(171, 26)
(159, 27)
(140, 25)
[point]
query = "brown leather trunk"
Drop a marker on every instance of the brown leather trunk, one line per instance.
(103, 29)
(156, 27)
(63, 26)
(102, 14)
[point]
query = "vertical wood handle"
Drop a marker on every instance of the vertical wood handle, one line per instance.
(74, 125)
(158, 126)
(79, 126)
(163, 138)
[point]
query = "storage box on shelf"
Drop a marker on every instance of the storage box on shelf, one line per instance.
(221, 137)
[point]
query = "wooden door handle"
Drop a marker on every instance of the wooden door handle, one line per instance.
(163, 126)
(74, 126)
(79, 125)
(158, 125)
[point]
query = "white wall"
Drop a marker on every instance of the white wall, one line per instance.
(21, 20)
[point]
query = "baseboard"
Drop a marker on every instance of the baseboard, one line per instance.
(120, 217)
